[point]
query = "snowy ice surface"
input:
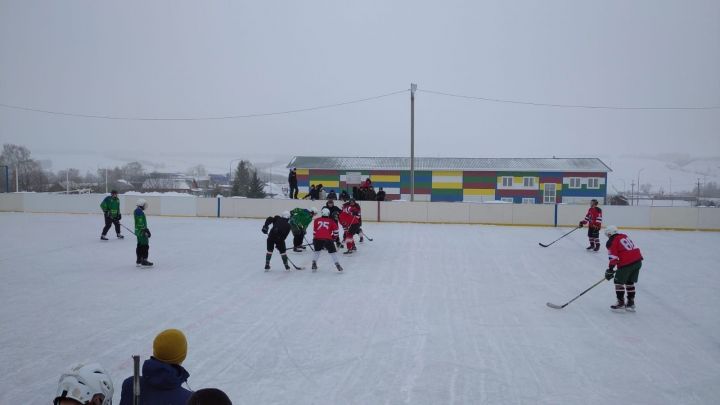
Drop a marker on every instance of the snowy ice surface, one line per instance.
(424, 314)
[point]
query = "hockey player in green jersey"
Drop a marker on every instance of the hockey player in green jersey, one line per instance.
(111, 208)
(300, 218)
(143, 235)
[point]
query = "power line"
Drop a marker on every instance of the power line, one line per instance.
(229, 117)
(599, 107)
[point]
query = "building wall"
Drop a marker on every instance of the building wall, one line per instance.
(466, 185)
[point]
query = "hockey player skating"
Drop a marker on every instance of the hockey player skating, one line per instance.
(276, 237)
(335, 215)
(622, 253)
(300, 218)
(593, 219)
(143, 235)
(325, 230)
(84, 384)
(350, 219)
(111, 208)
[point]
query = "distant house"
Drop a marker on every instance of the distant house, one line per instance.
(167, 182)
(516, 180)
(218, 180)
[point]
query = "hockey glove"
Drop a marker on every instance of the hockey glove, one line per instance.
(265, 229)
(609, 274)
(580, 225)
(147, 232)
(119, 216)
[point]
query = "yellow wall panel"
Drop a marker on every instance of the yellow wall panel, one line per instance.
(447, 173)
(385, 178)
(479, 191)
(326, 183)
(452, 186)
(302, 171)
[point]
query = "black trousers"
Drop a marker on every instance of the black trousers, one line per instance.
(280, 245)
(141, 251)
(298, 236)
(110, 221)
(294, 191)
(320, 244)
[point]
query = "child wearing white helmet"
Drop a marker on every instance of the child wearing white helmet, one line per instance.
(143, 235)
(84, 384)
(622, 253)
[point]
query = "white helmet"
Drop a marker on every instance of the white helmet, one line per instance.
(325, 212)
(285, 214)
(83, 382)
(611, 230)
(141, 203)
(314, 210)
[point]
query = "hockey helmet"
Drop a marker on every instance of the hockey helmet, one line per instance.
(141, 203)
(84, 382)
(285, 214)
(325, 212)
(611, 230)
(313, 210)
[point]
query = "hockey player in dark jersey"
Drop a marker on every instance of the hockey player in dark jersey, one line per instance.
(622, 253)
(335, 215)
(276, 237)
(593, 219)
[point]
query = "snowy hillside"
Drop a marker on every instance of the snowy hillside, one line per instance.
(671, 173)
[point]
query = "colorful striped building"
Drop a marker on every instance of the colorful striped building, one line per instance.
(517, 180)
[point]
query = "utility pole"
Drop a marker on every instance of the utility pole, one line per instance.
(632, 192)
(697, 202)
(67, 181)
(413, 87)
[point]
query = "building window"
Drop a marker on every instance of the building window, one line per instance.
(529, 181)
(528, 201)
(549, 194)
(574, 182)
(594, 182)
(507, 199)
(507, 181)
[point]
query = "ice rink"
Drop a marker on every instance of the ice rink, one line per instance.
(424, 314)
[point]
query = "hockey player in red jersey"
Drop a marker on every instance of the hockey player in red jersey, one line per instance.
(351, 220)
(325, 231)
(622, 253)
(593, 219)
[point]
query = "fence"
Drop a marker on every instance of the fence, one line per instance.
(690, 218)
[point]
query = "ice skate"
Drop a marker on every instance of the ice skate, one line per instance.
(619, 305)
(591, 247)
(287, 267)
(297, 249)
(120, 236)
(102, 237)
(339, 267)
(630, 307)
(597, 247)
(314, 266)
(146, 263)
(267, 267)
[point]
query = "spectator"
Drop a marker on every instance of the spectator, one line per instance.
(209, 396)
(381, 195)
(344, 195)
(292, 182)
(162, 374)
(85, 385)
(311, 193)
(331, 195)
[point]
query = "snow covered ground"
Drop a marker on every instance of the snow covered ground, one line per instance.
(424, 314)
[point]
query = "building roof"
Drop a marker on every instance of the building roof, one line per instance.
(490, 164)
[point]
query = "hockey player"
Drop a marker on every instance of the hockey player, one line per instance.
(334, 214)
(351, 220)
(84, 384)
(143, 235)
(300, 218)
(622, 253)
(111, 208)
(593, 219)
(325, 232)
(276, 237)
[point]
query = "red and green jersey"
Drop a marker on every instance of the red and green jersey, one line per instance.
(622, 251)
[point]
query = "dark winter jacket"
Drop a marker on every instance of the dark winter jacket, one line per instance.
(292, 178)
(160, 384)
(334, 211)
(331, 195)
(344, 195)
(280, 228)
(381, 195)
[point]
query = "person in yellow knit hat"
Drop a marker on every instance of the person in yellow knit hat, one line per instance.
(162, 374)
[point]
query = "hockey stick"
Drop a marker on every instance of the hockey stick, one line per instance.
(555, 306)
(544, 245)
(131, 231)
(308, 243)
(136, 379)
(365, 235)
(293, 264)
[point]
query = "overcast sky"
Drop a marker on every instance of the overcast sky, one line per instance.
(196, 59)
